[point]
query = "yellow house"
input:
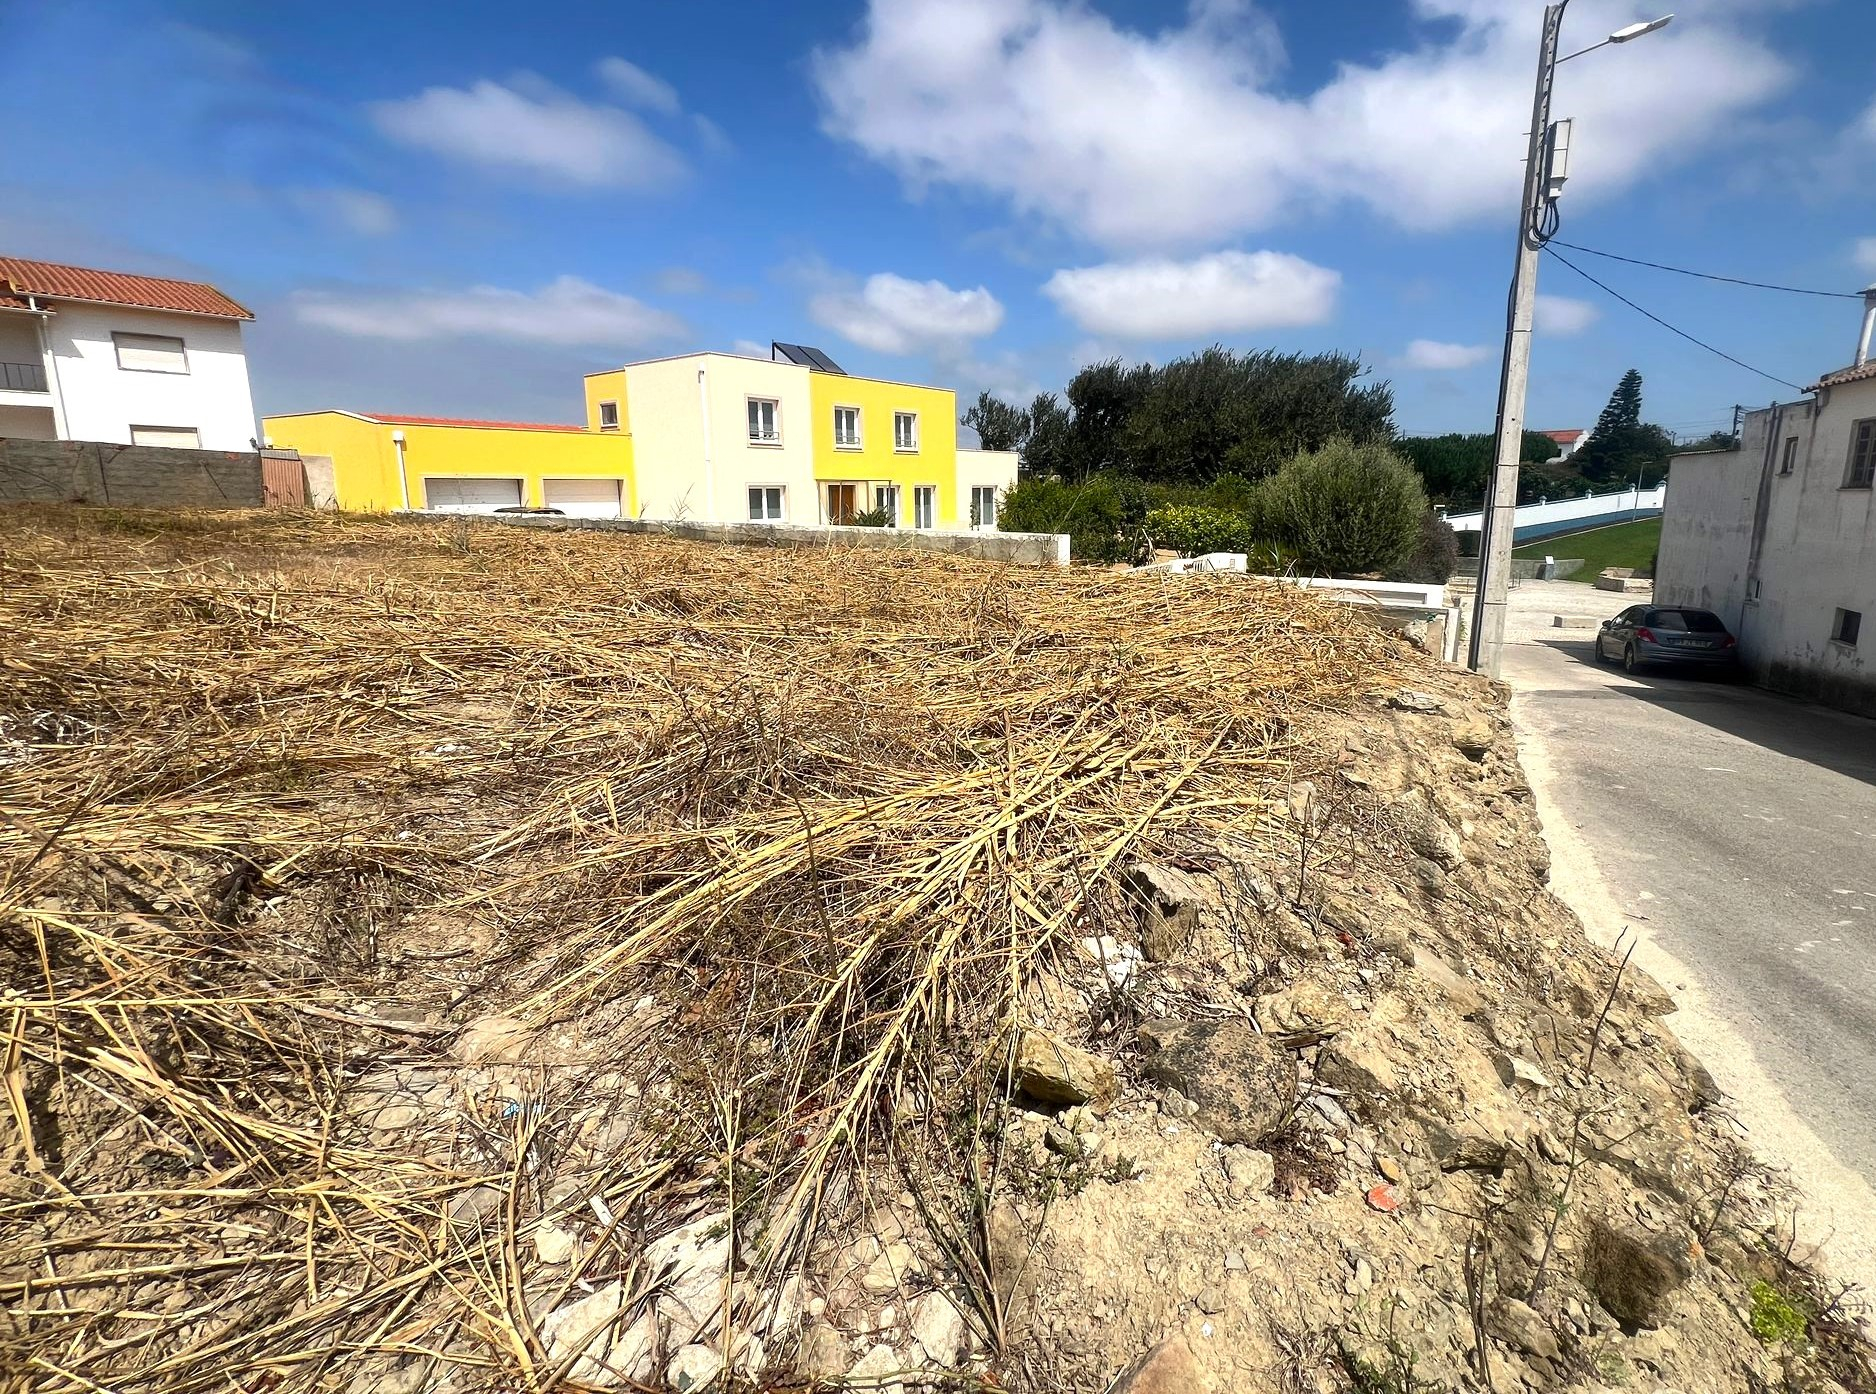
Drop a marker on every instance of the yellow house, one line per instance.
(383, 462)
(720, 437)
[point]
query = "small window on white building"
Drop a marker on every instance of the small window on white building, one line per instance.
(608, 416)
(150, 353)
(983, 506)
(924, 505)
(846, 428)
(764, 420)
(765, 503)
(905, 430)
(1789, 460)
(1846, 626)
(186, 436)
(886, 500)
(1862, 469)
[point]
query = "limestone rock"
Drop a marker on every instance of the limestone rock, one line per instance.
(692, 1262)
(1474, 738)
(693, 1367)
(1460, 994)
(1369, 1061)
(823, 1354)
(493, 1040)
(1168, 901)
(1428, 835)
(893, 1267)
(1634, 1278)
(1249, 1173)
(1512, 1322)
(939, 1328)
(1243, 1082)
(475, 1205)
(1409, 700)
(610, 1353)
(552, 1244)
(1643, 991)
(1053, 1071)
(1168, 1368)
(873, 1369)
(1303, 1014)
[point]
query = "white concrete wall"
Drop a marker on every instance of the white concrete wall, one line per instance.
(1706, 530)
(686, 472)
(102, 401)
(1816, 547)
(1565, 510)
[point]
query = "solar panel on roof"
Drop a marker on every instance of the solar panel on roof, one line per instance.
(806, 357)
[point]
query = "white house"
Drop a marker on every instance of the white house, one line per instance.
(1778, 537)
(105, 356)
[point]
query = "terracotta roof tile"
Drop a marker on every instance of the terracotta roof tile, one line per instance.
(1562, 437)
(391, 420)
(1843, 375)
(20, 278)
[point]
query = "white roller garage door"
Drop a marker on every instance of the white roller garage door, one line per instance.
(470, 495)
(583, 498)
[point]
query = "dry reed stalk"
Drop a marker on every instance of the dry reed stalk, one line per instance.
(831, 811)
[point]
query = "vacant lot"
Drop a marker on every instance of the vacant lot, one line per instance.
(1622, 544)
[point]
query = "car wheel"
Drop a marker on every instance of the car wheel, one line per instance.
(1631, 661)
(1602, 655)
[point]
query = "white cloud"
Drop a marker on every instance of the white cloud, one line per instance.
(1430, 355)
(1561, 317)
(1188, 134)
(1864, 254)
(638, 87)
(566, 311)
(749, 348)
(891, 314)
(681, 280)
(1221, 293)
(533, 128)
(354, 210)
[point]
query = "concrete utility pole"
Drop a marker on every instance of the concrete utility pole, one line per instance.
(1487, 641)
(1546, 165)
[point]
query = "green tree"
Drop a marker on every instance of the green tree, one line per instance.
(1624, 448)
(1048, 452)
(1346, 509)
(1455, 467)
(1103, 398)
(999, 425)
(1712, 440)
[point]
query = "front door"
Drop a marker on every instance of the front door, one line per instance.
(842, 503)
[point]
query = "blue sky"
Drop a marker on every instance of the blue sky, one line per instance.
(457, 209)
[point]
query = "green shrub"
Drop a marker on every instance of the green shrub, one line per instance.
(1103, 515)
(1192, 530)
(1345, 509)
(871, 518)
(1434, 557)
(1775, 1317)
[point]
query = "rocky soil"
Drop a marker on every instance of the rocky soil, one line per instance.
(441, 961)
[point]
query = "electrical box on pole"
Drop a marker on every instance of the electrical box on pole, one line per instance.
(1557, 158)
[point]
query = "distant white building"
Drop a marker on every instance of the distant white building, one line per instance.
(105, 356)
(1778, 537)
(1568, 442)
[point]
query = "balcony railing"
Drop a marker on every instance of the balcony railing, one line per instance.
(22, 377)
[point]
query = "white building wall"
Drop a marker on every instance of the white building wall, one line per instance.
(995, 469)
(691, 451)
(102, 401)
(1815, 547)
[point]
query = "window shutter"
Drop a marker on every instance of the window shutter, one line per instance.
(151, 353)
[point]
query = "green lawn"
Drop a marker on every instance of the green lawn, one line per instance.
(1620, 544)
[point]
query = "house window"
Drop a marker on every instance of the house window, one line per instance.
(905, 430)
(764, 421)
(765, 503)
(150, 353)
(186, 436)
(1862, 455)
(983, 506)
(886, 500)
(843, 501)
(1845, 627)
(1789, 461)
(924, 505)
(846, 428)
(608, 416)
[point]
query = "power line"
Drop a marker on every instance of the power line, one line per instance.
(1708, 276)
(1665, 325)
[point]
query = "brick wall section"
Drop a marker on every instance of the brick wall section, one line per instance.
(130, 476)
(1023, 548)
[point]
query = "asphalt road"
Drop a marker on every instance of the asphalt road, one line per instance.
(1737, 831)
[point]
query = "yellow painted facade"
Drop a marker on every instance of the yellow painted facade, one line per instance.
(877, 460)
(607, 387)
(365, 456)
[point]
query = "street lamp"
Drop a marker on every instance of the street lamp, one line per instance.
(1546, 160)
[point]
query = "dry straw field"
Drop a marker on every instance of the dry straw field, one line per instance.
(769, 844)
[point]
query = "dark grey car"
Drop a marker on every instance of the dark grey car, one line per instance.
(1645, 635)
